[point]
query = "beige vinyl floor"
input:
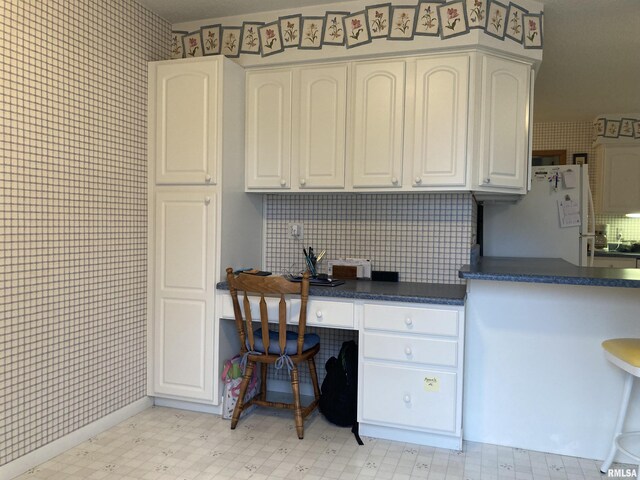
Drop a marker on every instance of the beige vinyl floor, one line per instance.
(168, 444)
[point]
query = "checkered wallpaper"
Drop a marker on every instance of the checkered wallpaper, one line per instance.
(73, 218)
(425, 237)
(577, 137)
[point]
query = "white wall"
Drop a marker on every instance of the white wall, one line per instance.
(535, 373)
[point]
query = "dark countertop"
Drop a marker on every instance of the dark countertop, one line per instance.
(549, 270)
(410, 292)
(613, 253)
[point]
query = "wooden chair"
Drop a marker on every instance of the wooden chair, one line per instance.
(273, 345)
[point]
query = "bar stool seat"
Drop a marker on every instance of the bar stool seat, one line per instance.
(625, 354)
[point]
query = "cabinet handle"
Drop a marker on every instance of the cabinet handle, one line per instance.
(394, 180)
(303, 182)
(407, 350)
(408, 322)
(407, 398)
(487, 180)
(207, 179)
(283, 182)
(319, 313)
(207, 200)
(418, 180)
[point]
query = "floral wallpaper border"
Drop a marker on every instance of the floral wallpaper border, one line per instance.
(351, 29)
(624, 128)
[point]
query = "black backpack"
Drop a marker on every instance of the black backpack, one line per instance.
(339, 398)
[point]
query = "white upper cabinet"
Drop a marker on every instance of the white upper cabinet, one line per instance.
(504, 124)
(436, 130)
(321, 126)
(187, 119)
(619, 186)
(377, 124)
(268, 129)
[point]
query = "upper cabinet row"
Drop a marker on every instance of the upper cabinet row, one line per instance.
(438, 123)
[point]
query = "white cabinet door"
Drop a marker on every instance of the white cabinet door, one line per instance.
(439, 122)
(184, 293)
(620, 183)
(504, 124)
(321, 127)
(187, 118)
(377, 124)
(268, 129)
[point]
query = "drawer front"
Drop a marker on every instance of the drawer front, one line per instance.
(325, 313)
(432, 321)
(320, 313)
(272, 307)
(411, 397)
(410, 349)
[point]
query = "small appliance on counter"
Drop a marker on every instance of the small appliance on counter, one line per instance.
(349, 268)
(601, 232)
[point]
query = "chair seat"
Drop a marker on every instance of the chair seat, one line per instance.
(291, 348)
(625, 349)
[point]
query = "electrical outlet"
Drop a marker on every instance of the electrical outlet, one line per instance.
(295, 230)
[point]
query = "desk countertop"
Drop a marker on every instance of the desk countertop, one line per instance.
(410, 292)
(549, 270)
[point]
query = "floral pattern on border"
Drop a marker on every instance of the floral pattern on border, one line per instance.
(431, 17)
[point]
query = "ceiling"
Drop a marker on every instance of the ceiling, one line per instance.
(591, 63)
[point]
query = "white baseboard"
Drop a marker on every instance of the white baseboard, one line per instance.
(411, 436)
(61, 445)
(191, 406)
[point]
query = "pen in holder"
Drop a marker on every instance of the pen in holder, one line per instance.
(311, 260)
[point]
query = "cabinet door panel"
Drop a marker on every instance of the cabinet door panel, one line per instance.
(184, 293)
(268, 129)
(620, 179)
(323, 110)
(504, 123)
(187, 123)
(378, 114)
(440, 121)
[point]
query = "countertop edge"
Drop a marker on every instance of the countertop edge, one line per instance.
(334, 292)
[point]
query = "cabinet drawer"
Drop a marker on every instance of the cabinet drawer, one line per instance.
(324, 313)
(272, 307)
(432, 321)
(410, 349)
(417, 398)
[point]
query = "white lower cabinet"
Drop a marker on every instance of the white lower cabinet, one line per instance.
(184, 293)
(410, 373)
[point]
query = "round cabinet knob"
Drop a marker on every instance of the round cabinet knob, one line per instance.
(207, 178)
(418, 180)
(283, 182)
(407, 398)
(408, 322)
(407, 350)
(207, 200)
(303, 182)
(319, 313)
(394, 180)
(487, 180)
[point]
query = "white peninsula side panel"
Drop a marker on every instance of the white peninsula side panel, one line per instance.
(535, 373)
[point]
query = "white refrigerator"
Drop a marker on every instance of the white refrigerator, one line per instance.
(554, 220)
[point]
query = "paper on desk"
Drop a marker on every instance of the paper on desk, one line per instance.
(569, 212)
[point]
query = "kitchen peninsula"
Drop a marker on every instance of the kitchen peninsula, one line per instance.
(535, 374)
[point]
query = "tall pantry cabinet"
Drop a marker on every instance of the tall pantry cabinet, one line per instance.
(200, 219)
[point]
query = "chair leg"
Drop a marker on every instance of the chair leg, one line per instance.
(314, 377)
(243, 390)
(626, 394)
(263, 381)
(297, 406)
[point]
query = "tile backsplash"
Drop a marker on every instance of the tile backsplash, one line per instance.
(73, 213)
(577, 137)
(425, 237)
